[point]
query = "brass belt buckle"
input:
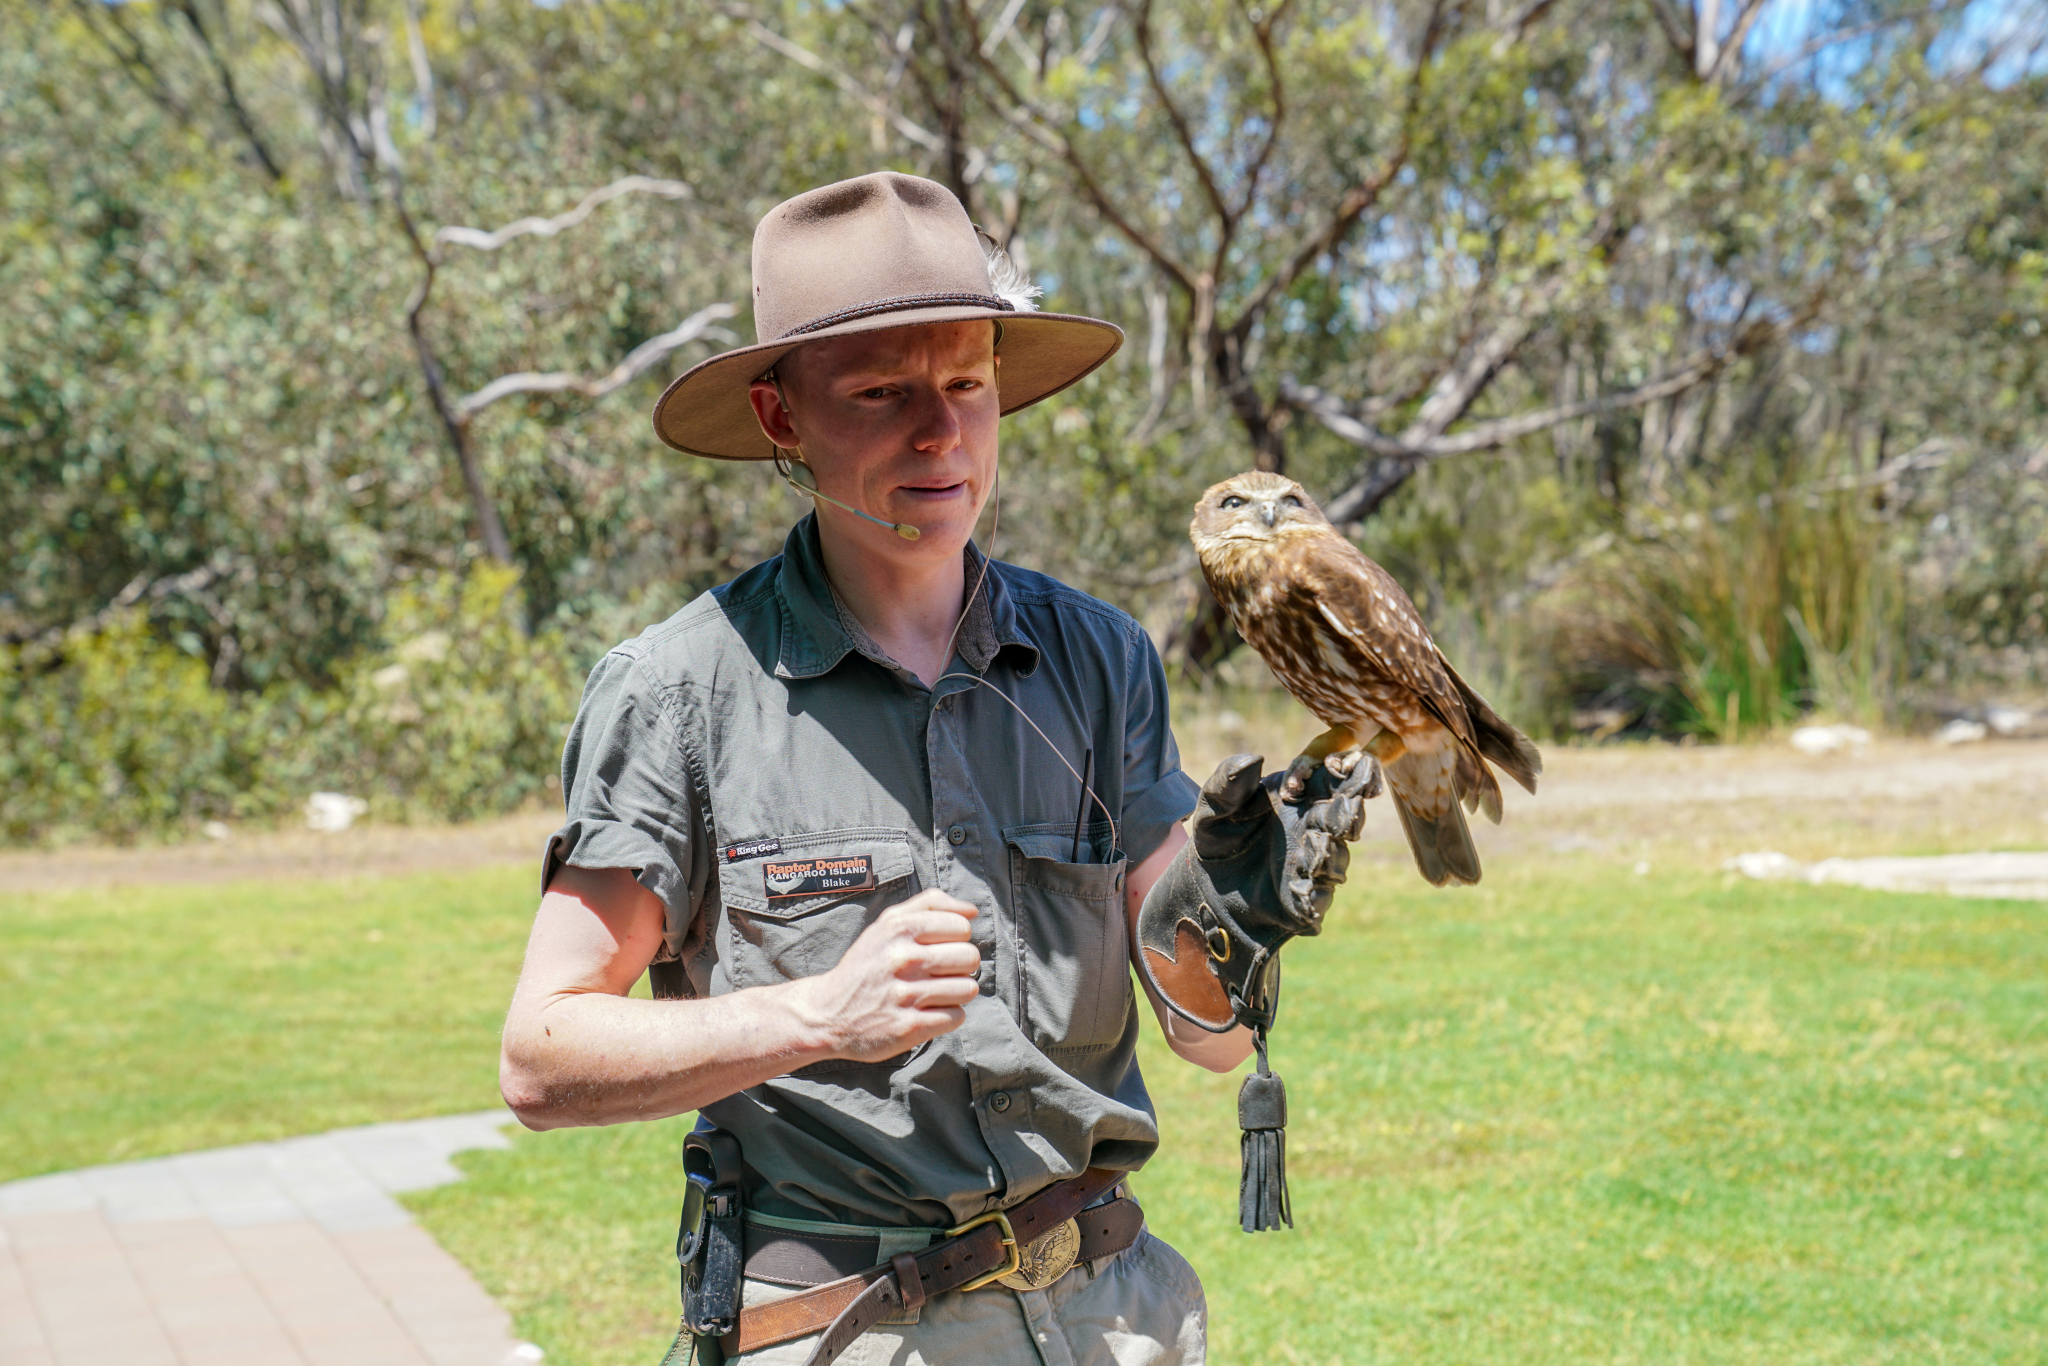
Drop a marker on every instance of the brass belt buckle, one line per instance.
(1011, 1264)
(1048, 1258)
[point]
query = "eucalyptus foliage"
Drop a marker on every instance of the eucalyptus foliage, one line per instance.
(1530, 296)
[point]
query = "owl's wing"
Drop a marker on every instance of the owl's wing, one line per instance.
(1371, 613)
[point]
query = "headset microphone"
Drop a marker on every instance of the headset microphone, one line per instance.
(798, 476)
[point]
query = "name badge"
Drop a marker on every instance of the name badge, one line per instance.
(817, 876)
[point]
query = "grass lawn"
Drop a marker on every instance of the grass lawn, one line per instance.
(142, 1021)
(1571, 1116)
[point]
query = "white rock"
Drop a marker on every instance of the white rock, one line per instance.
(1961, 732)
(333, 812)
(1765, 863)
(1829, 739)
(2008, 720)
(215, 830)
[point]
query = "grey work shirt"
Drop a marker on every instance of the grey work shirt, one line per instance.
(778, 781)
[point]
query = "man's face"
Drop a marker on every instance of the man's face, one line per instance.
(900, 423)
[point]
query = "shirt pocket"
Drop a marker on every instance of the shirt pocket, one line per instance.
(1072, 939)
(779, 939)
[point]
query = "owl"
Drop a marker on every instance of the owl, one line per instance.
(1347, 642)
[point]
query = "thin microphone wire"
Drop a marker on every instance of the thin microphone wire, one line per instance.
(976, 680)
(966, 606)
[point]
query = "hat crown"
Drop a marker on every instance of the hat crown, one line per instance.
(862, 247)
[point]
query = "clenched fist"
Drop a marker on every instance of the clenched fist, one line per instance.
(908, 978)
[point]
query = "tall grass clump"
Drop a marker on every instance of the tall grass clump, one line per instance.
(1721, 618)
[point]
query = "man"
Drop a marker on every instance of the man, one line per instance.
(878, 818)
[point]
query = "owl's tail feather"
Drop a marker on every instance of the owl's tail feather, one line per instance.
(1517, 756)
(1442, 843)
(1477, 787)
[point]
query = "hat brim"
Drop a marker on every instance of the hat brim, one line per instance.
(706, 410)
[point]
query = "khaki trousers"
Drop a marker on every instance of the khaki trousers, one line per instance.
(1142, 1307)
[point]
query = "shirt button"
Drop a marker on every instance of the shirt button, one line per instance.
(999, 1102)
(957, 834)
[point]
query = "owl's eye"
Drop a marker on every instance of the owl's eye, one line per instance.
(1233, 501)
(1291, 501)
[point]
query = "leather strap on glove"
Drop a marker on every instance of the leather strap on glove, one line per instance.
(1257, 871)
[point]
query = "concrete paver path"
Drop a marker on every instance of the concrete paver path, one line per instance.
(268, 1254)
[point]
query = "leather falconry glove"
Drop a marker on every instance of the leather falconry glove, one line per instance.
(1258, 869)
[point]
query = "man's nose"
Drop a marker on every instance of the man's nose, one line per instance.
(938, 426)
(1269, 512)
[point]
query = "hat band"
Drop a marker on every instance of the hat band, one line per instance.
(898, 305)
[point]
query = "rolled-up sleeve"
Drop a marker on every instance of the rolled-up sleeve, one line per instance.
(1157, 794)
(629, 796)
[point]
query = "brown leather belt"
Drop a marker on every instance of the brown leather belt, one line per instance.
(980, 1250)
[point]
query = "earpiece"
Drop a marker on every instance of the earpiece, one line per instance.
(798, 476)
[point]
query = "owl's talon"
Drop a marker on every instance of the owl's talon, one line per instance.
(1298, 774)
(1375, 780)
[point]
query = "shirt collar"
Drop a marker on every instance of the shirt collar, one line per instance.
(818, 631)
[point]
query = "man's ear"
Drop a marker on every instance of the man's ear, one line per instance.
(776, 420)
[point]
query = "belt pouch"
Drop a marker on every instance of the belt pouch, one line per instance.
(710, 1241)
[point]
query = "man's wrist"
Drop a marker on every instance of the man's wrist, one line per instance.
(813, 1035)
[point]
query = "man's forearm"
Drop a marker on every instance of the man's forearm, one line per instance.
(577, 1058)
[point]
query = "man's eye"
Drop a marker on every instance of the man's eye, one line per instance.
(1233, 501)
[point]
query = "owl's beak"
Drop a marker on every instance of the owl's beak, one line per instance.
(1269, 512)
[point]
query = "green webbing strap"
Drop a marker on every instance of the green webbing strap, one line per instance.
(683, 1351)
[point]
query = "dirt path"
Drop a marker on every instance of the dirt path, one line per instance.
(261, 854)
(1629, 803)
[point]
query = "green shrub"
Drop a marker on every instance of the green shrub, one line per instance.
(463, 716)
(118, 735)
(123, 734)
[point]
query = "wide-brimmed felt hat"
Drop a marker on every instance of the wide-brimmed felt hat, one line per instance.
(879, 251)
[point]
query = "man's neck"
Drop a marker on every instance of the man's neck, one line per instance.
(909, 610)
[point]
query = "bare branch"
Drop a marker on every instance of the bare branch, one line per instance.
(1728, 60)
(133, 56)
(1397, 457)
(189, 11)
(186, 584)
(1262, 34)
(1019, 113)
(1357, 199)
(1825, 41)
(698, 324)
(1517, 26)
(1674, 27)
(1181, 132)
(811, 61)
(1342, 420)
(1005, 22)
(561, 222)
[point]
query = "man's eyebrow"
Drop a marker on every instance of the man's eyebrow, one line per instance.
(879, 373)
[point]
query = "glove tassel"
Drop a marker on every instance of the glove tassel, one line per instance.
(1262, 1201)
